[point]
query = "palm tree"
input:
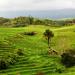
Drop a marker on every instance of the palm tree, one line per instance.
(48, 34)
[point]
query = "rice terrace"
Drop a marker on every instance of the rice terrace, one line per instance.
(29, 55)
(37, 37)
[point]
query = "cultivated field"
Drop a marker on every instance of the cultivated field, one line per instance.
(36, 58)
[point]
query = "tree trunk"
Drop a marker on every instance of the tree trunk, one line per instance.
(48, 42)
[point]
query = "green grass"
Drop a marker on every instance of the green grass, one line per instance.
(35, 48)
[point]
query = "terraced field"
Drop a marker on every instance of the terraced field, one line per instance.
(36, 58)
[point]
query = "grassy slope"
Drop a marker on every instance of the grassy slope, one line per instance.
(35, 48)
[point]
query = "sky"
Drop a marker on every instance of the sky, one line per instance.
(37, 8)
(19, 5)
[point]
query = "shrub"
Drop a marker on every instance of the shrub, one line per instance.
(11, 61)
(30, 33)
(3, 64)
(20, 52)
(6, 61)
(12, 58)
(52, 52)
(68, 58)
(60, 69)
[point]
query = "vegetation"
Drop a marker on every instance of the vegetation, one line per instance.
(26, 21)
(3, 64)
(25, 54)
(20, 52)
(29, 33)
(68, 58)
(48, 34)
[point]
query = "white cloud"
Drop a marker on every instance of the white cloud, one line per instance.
(15, 5)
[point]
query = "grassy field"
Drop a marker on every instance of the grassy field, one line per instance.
(36, 58)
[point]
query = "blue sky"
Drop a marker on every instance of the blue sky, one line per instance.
(19, 5)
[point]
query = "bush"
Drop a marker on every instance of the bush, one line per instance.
(12, 58)
(30, 33)
(20, 52)
(60, 69)
(6, 61)
(68, 58)
(3, 64)
(11, 61)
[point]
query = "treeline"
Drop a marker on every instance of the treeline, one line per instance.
(25, 21)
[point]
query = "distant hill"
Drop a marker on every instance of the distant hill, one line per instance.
(53, 14)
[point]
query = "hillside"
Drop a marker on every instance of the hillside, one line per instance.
(36, 58)
(23, 21)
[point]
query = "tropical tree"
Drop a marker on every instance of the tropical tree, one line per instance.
(48, 34)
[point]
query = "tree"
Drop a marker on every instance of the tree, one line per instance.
(31, 20)
(48, 34)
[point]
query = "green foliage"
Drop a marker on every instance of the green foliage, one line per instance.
(26, 21)
(48, 34)
(20, 52)
(3, 64)
(8, 60)
(30, 33)
(35, 58)
(12, 58)
(68, 58)
(3, 20)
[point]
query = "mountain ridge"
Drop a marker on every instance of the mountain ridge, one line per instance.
(52, 14)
